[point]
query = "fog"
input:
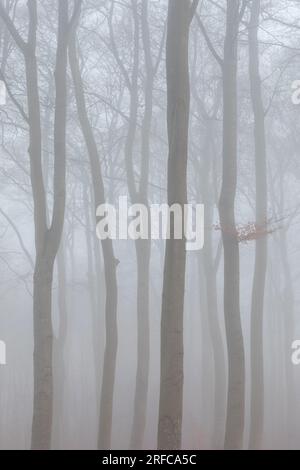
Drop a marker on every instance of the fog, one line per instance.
(144, 344)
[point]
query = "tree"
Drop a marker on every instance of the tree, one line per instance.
(47, 240)
(143, 247)
(234, 335)
(110, 262)
(259, 280)
(180, 15)
(235, 346)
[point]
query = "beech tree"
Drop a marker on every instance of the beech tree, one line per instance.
(110, 262)
(132, 344)
(258, 292)
(180, 16)
(47, 239)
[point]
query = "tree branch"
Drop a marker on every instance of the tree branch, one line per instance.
(193, 9)
(12, 29)
(208, 41)
(14, 100)
(75, 15)
(243, 8)
(15, 229)
(114, 49)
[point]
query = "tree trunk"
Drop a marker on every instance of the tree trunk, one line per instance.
(59, 361)
(43, 344)
(171, 375)
(110, 262)
(288, 305)
(235, 345)
(47, 240)
(143, 347)
(210, 270)
(217, 341)
(143, 254)
(260, 269)
(94, 287)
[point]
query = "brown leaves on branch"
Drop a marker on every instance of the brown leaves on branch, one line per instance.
(251, 231)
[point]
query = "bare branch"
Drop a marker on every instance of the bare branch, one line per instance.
(15, 229)
(75, 15)
(14, 100)
(208, 41)
(243, 8)
(193, 9)
(13, 31)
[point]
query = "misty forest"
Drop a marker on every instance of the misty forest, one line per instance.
(142, 344)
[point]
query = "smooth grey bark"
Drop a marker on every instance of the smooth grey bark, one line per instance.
(234, 335)
(110, 262)
(93, 284)
(207, 192)
(288, 305)
(260, 268)
(48, 247)
(143, 346)
(178, 91)
(219, 363)
(143, 250)
(59, 361)
(98, 320)
(211, 265)
(235, 344)
(206, 355)
(96, 286)
(59, 366)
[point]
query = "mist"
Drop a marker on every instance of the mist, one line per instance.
(149, 342)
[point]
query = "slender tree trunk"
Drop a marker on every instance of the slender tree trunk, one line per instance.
(48, 240)
(110, 262)
(143, 347)
(143, 254)
(260, 269)
(98, 319)
(210, 271)
(59, 361)
(93, 287)
(207, 191)
(207, 358)
(171, 376)
(217, 341)
(96, 292)
(235, 345)
(43, 273)
(288, 305)
(43, 344)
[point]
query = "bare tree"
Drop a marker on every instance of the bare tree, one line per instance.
(259, 281)
(180, 15)
(47, 240)
(110, 262)
(143, 247)
(234, 335)
(236, 363)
